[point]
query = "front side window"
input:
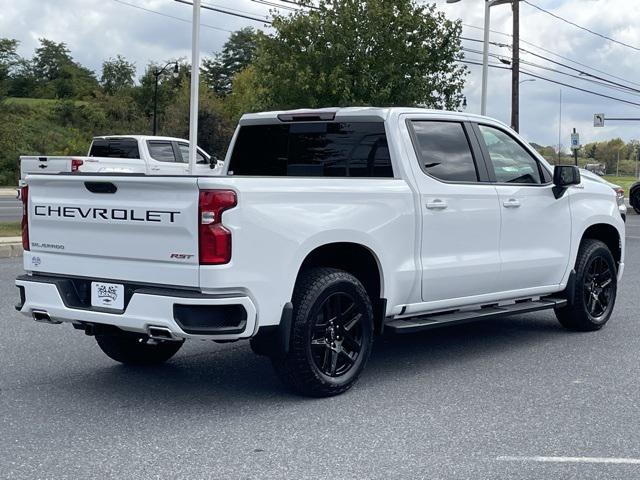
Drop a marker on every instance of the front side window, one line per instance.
(184, 151)
(312, 149)
(161, 151)
(443, 151)
(511, 162)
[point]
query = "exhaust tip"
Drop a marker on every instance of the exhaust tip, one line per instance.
(160, 333)
(43, 317)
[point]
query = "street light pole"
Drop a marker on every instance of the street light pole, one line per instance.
(485, 57)
(560, 127)
(485, 49)
(195, 84)
(515, 69)
(156, 74)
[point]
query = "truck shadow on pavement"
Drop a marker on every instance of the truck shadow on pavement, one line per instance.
(233, 373)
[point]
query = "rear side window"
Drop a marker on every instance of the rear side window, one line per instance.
(443, 151)
(312, 149)
(161, 151)
(115, 148)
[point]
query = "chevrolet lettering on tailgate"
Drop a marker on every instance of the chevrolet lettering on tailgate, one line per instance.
(126, 214)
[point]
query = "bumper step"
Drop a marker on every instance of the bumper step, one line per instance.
(426, 322)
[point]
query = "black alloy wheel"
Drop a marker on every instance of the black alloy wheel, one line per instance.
(331, 333)
(598, 288)
(592, 295)
(336, 338)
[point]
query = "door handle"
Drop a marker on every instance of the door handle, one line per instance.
(437, 204)
(511, 203)
(155, 169)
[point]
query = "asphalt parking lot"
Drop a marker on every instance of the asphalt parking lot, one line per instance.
(485, 400)
(10, 208)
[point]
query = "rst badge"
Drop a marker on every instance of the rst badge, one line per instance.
(107, 295)
(181, 256)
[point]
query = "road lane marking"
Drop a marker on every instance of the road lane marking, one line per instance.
(606, 460)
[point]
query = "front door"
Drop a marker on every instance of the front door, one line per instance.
(460, 212)
(202, 167)
(536, 227)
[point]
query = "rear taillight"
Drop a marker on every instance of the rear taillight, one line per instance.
(214, 239)
(76, 163)
(24, 196)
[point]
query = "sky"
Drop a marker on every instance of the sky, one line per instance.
(95, 30)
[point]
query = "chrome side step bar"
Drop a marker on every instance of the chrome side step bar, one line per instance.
(426, 322)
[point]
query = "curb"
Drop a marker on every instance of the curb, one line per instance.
(10, 247)
(8, 192)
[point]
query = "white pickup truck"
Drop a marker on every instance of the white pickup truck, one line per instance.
(150, 155)
(328, 227)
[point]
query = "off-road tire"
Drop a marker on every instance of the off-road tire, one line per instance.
(137, 349)
(315, 292)
(635, 200)
(576, 315)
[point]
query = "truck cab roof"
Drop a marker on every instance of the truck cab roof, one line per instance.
(357, 114)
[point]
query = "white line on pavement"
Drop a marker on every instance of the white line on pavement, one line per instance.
(610, 460)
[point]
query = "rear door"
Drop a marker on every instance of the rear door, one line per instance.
(459, 207)
(139, 229)
(165, 158)
(535, 238)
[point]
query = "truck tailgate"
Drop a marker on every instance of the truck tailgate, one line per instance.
(121, 227)
(43, 164)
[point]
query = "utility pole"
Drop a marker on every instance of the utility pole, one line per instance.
(515, 68)
(560, 127)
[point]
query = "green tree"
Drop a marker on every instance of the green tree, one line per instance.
(236, 55)
(167, 87)
(117, 74)
(362, 52)
(58, 76)
(49, 59)
(214, 131)
(245, 95)
(9, 58)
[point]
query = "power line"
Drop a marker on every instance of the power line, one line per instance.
(227, 12)
(505, 45)
(292, 2)
(546, 50)
(581, 71)
(581, 27)
(275, 5)
(169, 16)
(553, 70)
(502, 67)
(591, 78)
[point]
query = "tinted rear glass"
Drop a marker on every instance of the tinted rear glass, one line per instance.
(115, 148)
(312, 149)
(444, 152)
(161, 151)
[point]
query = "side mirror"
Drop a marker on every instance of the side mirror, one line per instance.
(213, 161)
(564, 176)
